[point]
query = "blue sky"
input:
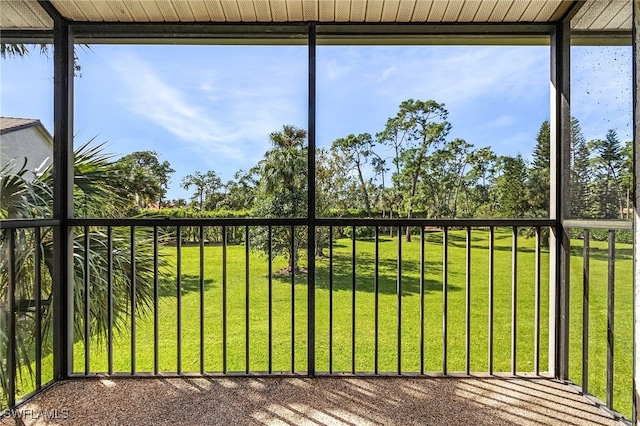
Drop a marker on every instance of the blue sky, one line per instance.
(213, 107)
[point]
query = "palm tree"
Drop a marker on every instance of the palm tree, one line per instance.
(283, 185)
(285, 165)
(94, 196)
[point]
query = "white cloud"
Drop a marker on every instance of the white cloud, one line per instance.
(496, 88)
(333, 70)
(505, 120)
(220, 115)
(155, 100)
(470, 74)
(383, 74)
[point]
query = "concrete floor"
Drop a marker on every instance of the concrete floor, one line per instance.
(321, 401)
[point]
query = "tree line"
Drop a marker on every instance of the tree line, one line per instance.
(411, 168)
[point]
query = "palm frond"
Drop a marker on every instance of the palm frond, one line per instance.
(94, 196)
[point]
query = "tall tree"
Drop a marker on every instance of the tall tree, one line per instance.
(326, 195)
(145, 177)
(538, 185)
(285, 164)
(509, 186)
(207, 187)
(627, 176)
(444, 178)
(580, 172)
(418, 126)
(480, 197)
(356, 151)
(240, 192)
(608, 168)
(283, 193)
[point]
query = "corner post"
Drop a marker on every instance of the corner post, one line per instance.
(63, 62)
(560, 201)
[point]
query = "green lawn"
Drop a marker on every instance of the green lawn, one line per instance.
(388, 309)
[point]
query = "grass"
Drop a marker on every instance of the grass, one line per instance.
(342, 301)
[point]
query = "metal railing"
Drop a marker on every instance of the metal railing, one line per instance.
(25, 309)
(336, 331)
(593, 303)
(444, 229)
(218, 297)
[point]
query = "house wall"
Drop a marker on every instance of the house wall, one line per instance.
(31, 143)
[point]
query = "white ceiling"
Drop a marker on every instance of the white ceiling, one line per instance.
(594, 15)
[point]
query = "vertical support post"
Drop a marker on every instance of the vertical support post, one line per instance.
(636, 214)
(559, 206)
(311, 206)
(62, 279)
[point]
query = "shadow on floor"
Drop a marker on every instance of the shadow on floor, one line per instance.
(321, 401)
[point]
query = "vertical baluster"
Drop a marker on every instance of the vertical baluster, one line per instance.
(87, 303)
(422, 234)
(491, 296)
(201, 236)
(610, 316)
(536, 320)
(37, 296)
(293, 299)
(246, 300)
(399, 291)
(445, 286)
(376, 290)
(224, 299)
(133, 300)
(110, 299)
(468, 304)
(270, 272)
(330, 299)
(514, 298)
(585, 312)
(155, 300)
(353, 300)
(179, 298)
(11, 319)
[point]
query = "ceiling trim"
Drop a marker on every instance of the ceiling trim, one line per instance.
(328, 34)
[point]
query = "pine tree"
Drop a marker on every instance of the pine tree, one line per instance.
(606, 186)
(538, 180)
(627, 177)
(509, 186)
(580, 172)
